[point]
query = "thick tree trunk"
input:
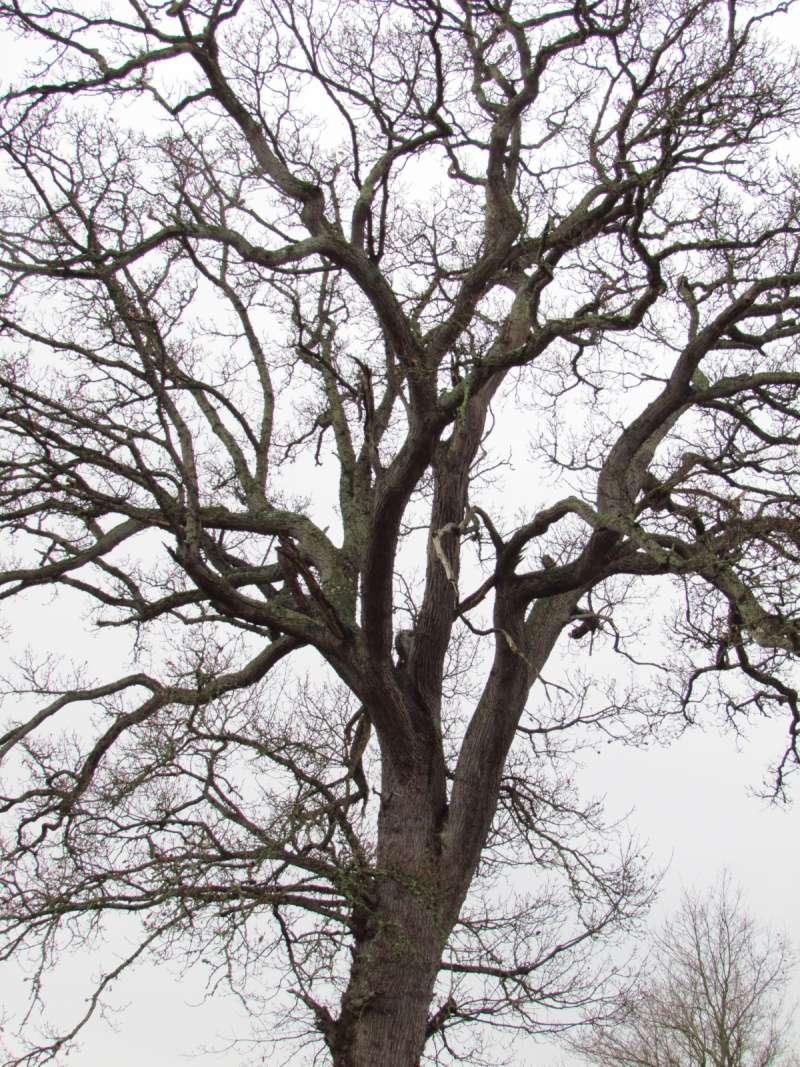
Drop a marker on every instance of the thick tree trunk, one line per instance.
(399, 947)
(427, 856)
(385, 1010)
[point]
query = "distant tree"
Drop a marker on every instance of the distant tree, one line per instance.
(711, 994)
(283, 284)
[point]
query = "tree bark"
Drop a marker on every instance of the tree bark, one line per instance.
(428, 853)
(400, 940)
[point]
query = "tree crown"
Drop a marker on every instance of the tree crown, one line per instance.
(281, 285)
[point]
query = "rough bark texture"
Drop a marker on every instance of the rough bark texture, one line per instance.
(396, 956)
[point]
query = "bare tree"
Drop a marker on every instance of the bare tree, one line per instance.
(712, 995)
(277, 278)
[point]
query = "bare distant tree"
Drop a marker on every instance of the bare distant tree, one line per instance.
(284, 285)
(711, 994)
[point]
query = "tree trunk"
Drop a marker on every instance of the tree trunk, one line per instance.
(399, 943)
(385, 1009)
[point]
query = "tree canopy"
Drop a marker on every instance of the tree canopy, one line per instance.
(371, 365)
